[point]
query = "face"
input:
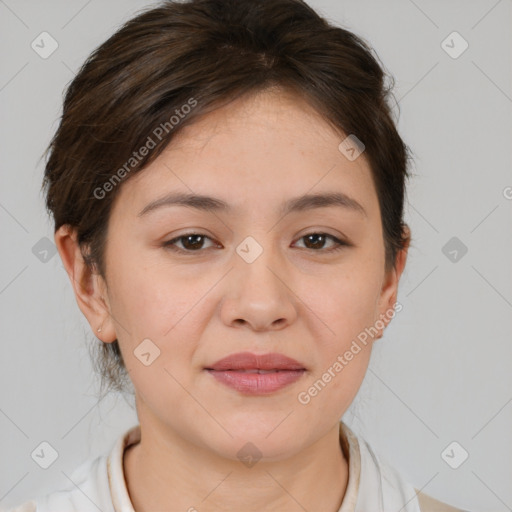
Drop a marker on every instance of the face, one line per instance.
(200, 282)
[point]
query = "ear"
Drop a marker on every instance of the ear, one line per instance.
(89, 287)
(389, 292)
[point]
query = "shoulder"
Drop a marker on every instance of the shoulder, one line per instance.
(86, 491)
(28, 506)
(429, 504)
(89, 485)
(379, 485)
(380, 482)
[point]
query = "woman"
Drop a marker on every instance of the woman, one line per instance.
(227, 186)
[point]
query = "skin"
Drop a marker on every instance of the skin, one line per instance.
(296, 298)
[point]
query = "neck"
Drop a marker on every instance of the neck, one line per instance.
(158, 475)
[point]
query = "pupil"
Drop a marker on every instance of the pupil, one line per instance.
(316, 245)
(195, 243)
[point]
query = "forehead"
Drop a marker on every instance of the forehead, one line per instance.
(274, 119)
(261, 147)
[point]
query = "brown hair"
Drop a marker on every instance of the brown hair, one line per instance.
(172, 64)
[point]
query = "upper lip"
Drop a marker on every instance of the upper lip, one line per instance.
(250, 361)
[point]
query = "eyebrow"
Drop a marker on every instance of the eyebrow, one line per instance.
(296, 204)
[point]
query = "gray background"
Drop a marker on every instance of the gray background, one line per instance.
(441, 373)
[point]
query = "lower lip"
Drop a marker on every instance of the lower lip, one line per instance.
(257, 383)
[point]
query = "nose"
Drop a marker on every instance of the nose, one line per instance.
(259, 295)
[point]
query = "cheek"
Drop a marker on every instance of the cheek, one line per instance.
(152, 299)
(346, 308)
(160, 303)
(345, 302)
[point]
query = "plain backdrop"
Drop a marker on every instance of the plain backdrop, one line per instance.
(442, 372)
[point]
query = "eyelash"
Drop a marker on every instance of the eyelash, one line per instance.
(170, 244)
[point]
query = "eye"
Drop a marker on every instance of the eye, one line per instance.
(316, 242)
(191, 242)
(194, 242)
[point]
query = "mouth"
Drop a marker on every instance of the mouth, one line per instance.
(254, 374)
(251, 363)
(253, 370)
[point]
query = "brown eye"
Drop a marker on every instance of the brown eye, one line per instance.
(190, 242)
(194, 242)
(316, 242)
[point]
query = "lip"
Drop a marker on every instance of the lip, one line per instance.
(248, 361)
(241, 372)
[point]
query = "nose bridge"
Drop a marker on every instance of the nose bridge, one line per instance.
(258, 294)
(256, 265)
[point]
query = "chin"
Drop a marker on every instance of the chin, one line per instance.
(264, 432)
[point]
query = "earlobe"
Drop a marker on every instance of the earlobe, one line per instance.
(88, 286)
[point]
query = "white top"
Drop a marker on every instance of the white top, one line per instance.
(99, 484)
